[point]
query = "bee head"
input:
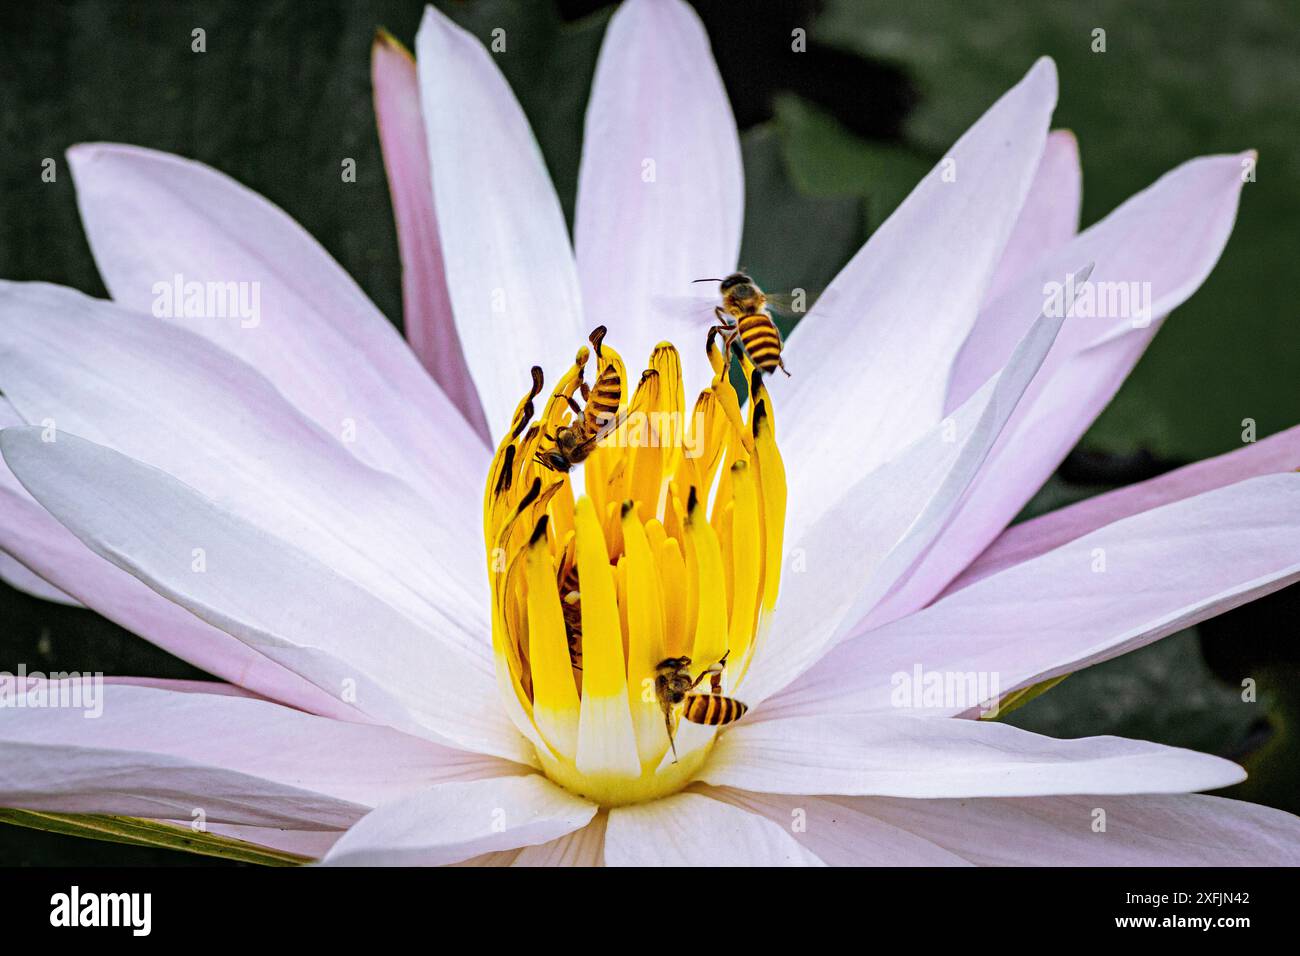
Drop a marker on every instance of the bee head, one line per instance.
(554, 460)
(740, 296)
(733, 280)
(673, 663)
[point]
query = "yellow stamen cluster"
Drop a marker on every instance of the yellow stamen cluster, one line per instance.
(591, 590)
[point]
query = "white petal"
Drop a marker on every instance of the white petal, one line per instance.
(269, 594)
(1166, 240)
(313, 844)
(456, 821)
(1050, 216)
(1108, 592)
(660, 189)
(29, 531)
(891, 755)
(154, 220)
(854, 552)
(1150, 830)
(18, 576)
(839, 832)
(143, 751)
(875, 351)
(167, 397)
(690, 829)
(585, 847)
(510, 269)
(1029, 539)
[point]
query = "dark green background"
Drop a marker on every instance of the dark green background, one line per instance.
(833, 139)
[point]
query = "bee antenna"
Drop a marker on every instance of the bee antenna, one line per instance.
(693, 281)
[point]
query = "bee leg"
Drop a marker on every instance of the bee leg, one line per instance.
(780, 363)
(714, 673)
(668, 726)
(585, 389)
(577, 409)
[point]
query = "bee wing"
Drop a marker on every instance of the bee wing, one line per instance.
(606, 426)
(797, 302)
(696, 308)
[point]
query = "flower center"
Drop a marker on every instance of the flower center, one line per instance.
(625, 614)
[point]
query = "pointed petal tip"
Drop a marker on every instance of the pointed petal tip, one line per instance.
(1065, 135)
(83, 155)
(80, 154)
(435, 20)
(385, 41)
(1042, 80)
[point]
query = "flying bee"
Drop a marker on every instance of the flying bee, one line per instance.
(674, 685)
(744, 313)
(575, 442)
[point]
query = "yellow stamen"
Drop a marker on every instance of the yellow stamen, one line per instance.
(671, 550)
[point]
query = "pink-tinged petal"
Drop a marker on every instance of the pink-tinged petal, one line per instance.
(690, 829)
(585, 847)
(313, 844)
(13, 496)
(172, 399)
(182, 686)
(1050, 216)
(32, 535)
(17, 576)
(1151, 830)
(660, 188)
(457, 821)
(891, 755)
(29, 531)
(1120, 587)
(1169, 236)
(871, 359)
(839, 832)
(262, 590)
(1029, 539)
(151, 217)
(856, 549)
(142, 751)
(426, 303)
(12, 571)
(505, 246)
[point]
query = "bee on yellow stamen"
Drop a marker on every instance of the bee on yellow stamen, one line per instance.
(668, 552)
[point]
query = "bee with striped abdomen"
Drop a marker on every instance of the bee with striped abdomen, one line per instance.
(600, 416)
(744, 314)
(674, 685)
(571, 608)
(713, 710)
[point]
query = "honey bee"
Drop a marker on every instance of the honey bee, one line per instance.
(573, 443)
(744, 313)
(673, 686)
(571, 608)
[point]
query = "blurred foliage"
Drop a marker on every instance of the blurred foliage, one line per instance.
(832, 138)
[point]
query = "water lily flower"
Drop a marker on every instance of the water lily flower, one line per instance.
(437, 646)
